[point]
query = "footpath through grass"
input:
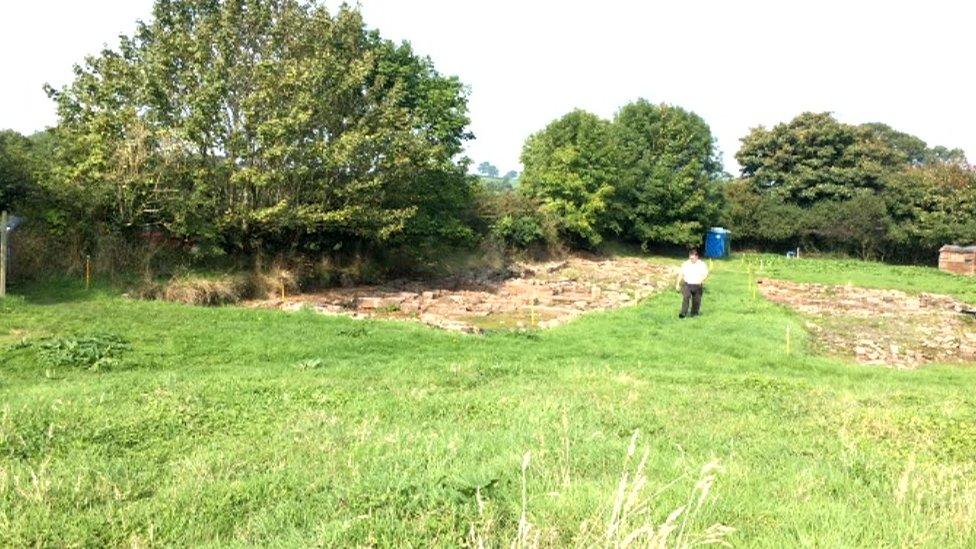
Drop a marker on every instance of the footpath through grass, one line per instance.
(240, 427)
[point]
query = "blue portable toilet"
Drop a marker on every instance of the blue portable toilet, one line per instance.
(718, 243)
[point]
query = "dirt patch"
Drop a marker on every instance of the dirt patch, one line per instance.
(533, 295)
(882, 326)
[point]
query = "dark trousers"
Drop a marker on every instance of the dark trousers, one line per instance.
(691, 293)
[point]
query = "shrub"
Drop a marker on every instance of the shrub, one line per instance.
(857, 226)
(515, 221)
(519, 231)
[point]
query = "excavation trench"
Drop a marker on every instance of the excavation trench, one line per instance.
(875, 326)
(525, 296)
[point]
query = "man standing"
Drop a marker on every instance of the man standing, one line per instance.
(691, 279)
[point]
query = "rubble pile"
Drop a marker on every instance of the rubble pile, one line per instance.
(532, 295)
(882, 326)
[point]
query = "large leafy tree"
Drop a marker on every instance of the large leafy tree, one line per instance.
(266, 123)
(814, 157)
(868, 189)
(904, 148)
(649, 176)
(930, 206)
(668, 172)
(909, 149)
(944, 155)
(570, 169)
(488, 169)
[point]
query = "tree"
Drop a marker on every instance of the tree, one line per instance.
(760, 218)
(906, 148)
(487, 169)
(911, 150)
(930, 206)
(16, 169)
(668, 172)
(869, 189)
(943, 155)
(266, 124)
(814, 157)
(649, 176)
(570, 170)
(511, 175)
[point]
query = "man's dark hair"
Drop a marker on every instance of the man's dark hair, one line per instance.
(692, 252)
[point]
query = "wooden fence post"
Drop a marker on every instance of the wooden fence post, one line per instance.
(3, 254)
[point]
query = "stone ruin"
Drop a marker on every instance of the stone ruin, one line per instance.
(882, 326)
(523, 296)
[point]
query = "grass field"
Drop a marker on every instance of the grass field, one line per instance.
(226, 426)
(867, 274)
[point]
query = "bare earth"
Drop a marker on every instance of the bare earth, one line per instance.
(882, 326)
(531, 295)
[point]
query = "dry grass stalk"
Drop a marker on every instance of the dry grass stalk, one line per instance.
(528, 535)
(567, 457)
(631, 522)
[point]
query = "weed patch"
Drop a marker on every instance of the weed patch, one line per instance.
(90, 352)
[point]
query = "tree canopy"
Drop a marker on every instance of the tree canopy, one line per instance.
(17, 176)
(570, 167)
(869, 189)
(912, 150)
(813, 157)
(487, 169)
(648, 176)
(668, 170)
(266, 123)
(252, 127)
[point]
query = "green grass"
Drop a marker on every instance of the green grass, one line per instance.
(227, 426)
(862, 273)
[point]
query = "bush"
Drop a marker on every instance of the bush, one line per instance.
(39, 251)
(519, 231)
(858, 226)
(514, 221)
(757, 219)
(928, 207)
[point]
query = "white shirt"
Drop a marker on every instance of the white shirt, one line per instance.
(694, 272)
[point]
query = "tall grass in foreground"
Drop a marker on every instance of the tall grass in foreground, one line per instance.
(632, 521)
(230, 427)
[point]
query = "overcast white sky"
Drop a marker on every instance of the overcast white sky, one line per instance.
(738, 64)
